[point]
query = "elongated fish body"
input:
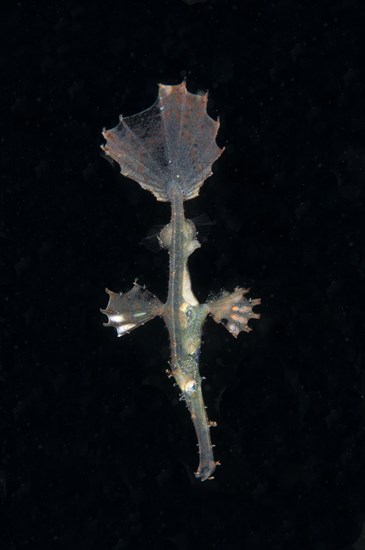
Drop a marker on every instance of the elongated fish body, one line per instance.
(169, 149)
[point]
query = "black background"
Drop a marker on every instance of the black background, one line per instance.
(98, 452)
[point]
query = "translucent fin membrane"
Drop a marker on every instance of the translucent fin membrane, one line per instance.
(170, 145)
(130, 310)
(235, 309)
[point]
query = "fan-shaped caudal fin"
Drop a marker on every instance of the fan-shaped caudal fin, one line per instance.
(235, 309)
(130, 310)
(170, 145)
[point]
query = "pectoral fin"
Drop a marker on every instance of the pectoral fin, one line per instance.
(130, 310)
(235, 309)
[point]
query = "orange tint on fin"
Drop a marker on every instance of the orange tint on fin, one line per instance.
(170, 145)
(235, 309)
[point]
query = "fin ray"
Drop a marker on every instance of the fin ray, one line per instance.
(171, 144)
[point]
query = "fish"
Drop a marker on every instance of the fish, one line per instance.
(169, 149)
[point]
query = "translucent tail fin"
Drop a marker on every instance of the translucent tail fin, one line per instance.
(169, 146)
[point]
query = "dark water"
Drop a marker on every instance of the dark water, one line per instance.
(98, 452)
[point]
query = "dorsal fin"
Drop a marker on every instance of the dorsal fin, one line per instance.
(171, 144)
(151, 241)
(202, 224)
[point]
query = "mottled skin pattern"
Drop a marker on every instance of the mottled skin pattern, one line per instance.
(169, 150)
